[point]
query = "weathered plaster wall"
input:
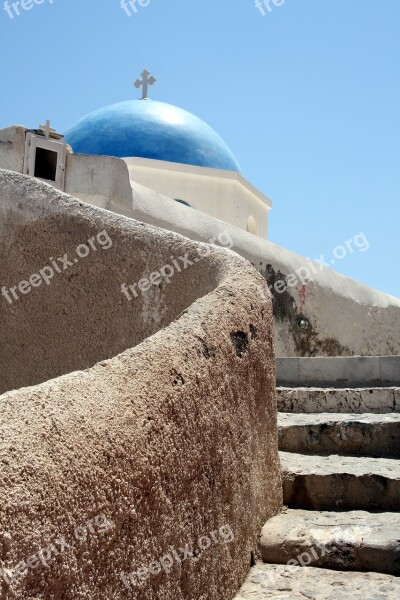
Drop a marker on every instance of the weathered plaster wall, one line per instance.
(94, 320)
(100, 180)
(12, 148)
(224, 195)
(346, 317)
(169, 440)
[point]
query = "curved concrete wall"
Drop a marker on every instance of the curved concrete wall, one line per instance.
(345, 317)
(76, 317)
(149, 474)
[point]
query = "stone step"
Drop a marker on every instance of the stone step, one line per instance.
(283, 582)
(339, 371)
(357, 540)
(349, 435)
(336, 400)
(340, 483)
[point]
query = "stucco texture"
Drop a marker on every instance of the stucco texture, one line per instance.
(346, 317)
(152, 422)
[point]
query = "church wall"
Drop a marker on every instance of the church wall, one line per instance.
(220, 194)
(156, 446)
(101, 180)
(12, 148)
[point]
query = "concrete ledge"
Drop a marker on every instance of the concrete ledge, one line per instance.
(339, 371)
(376, 400)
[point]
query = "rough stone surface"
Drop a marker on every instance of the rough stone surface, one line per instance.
(82, 316)
(349, 435)
(355, 540)
(282, 582)
(389, 368)
(160, 439)
(370, 322)
(340, 483)
(334, 400)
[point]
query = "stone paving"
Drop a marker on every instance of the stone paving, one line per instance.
(282, 582)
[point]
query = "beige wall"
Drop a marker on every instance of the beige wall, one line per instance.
(12, 148)
(153, 447)
(346, 317)
(221, 194)
(99, 180)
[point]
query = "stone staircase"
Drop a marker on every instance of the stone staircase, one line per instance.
(340, 455)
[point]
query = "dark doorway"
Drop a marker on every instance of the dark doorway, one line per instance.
(45, 164)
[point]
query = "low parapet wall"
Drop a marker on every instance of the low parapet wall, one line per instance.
(341, 317)
(150, 473)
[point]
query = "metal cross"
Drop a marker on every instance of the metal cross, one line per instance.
(147, 79)
(47, 129)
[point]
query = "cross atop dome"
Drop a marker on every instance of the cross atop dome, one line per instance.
(147, 79)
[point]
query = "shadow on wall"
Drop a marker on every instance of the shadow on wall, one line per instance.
(62, 307)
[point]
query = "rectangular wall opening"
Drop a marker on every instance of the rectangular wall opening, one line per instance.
(46, 164)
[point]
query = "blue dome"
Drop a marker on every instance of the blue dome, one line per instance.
(149, 129)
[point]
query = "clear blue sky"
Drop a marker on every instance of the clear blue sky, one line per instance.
(307, 97)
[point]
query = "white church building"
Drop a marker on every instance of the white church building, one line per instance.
(165, 148)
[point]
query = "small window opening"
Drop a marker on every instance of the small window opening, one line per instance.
(46, 164)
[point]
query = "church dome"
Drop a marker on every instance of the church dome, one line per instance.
(150, 129)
